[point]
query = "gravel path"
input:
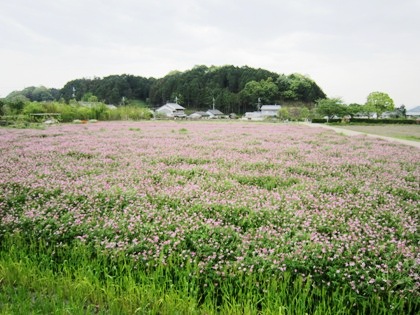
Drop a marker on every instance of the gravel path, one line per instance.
(357, 133)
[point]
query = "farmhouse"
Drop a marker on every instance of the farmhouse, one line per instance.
(267, 111)
(215, 113)
(270, 110)
(199, 115)
(363, 115)
(253, 116)
(172, 110)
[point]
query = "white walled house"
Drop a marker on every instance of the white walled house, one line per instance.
(267, 111)
(172, 110)
(270, 110)
(253, 116)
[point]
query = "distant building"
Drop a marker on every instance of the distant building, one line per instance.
(392, 114)
(267, 111)
(365, 115)
(270, 110)
(215, 113)
(199, 115)
(253, 116)
(172, 110)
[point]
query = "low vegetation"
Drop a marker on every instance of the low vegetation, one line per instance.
(205, 218)
(32, 113)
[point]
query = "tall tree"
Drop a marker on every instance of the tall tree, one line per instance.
(354, 108)
(2, 108)
(15, 103)
(266, 91)
(330, 107)
(379, 102)
(297, 87)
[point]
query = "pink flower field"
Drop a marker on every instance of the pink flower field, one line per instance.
(228, 197)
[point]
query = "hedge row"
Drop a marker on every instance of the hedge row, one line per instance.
(368, 121)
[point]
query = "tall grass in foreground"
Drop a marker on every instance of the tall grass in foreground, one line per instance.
(36, 279)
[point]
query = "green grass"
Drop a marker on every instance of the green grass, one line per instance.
(411, 138)
(37, 279)
(267, 182)
(406, 132)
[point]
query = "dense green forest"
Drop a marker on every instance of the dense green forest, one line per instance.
(233, 89)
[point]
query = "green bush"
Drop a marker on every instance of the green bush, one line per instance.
(52, 107)
(367, 121)
(68, 113)
(34, 108)
(84, 113)
(130, 113)
(323, 120)
(383, 121)
(74, 111)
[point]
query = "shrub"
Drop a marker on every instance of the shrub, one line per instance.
(129, 113)
(367, 121)
(34, 108)
(323, 120)
(383, 121)
(68, 113)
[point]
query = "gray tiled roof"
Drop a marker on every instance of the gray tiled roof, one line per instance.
(215, 112)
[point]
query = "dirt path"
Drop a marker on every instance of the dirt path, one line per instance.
(357, 133)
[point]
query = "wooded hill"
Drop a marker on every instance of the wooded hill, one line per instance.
(231, 88)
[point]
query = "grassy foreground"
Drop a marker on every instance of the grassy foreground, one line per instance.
(36, 279)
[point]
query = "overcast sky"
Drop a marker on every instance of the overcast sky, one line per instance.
(350, 48)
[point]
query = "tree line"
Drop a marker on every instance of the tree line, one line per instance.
(377, 103)
(230, 88)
